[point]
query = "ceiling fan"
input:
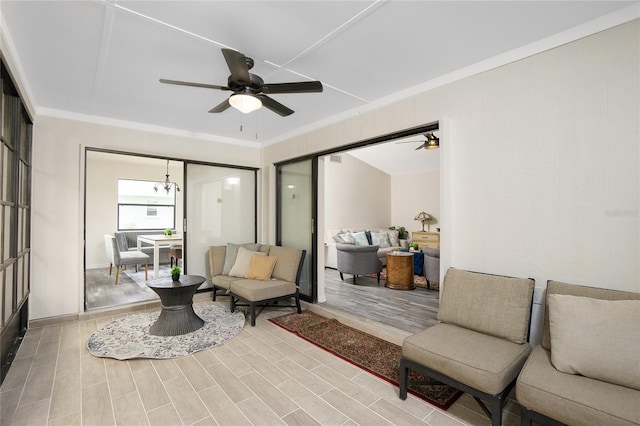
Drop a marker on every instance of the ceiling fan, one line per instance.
(249, 90)
(432, 142)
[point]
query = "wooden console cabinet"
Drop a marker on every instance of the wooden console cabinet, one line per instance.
(426, 239)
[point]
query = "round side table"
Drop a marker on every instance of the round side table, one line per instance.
(400, 271)
(177, 315)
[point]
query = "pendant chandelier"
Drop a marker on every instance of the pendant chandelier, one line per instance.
(166, 185)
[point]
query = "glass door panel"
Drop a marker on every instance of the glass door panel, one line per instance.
(296, 214)
(220, 206)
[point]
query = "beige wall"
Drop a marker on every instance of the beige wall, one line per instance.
(356, 195)
(57, 220)
(412, 193)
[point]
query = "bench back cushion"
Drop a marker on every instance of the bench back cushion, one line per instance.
(288, 264)
(596, 338)
(490, 304)
(557, 287)
(217, 255)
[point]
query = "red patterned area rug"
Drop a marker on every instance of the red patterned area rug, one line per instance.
(368, 352)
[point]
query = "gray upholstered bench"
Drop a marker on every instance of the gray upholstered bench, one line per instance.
(590, 333)
(482, 341)
(254, 286)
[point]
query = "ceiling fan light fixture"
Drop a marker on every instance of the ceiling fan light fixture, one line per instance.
(245, 103)
(433, 142)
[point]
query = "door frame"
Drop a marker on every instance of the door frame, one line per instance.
(429, 127)
(313, 257)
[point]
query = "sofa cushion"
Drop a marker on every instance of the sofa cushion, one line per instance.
(256, 290)
(243, 260)
(491, 304)
(484, 362)
(393, 237)
(261, 267)
(361, 238)
(348, 238)
(232, 252)
(574, 399)
(380, 239)
(596, 338)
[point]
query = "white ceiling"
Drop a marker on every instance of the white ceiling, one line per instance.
(101, 60)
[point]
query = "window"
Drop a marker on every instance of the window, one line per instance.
(141, 207)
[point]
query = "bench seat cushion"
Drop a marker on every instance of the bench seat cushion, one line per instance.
(223, 281)
(574, 399)
(478, 360)
(257, 290)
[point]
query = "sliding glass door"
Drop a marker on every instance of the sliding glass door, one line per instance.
(220, 208)
(296, 213)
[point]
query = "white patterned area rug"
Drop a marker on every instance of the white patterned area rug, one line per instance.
(129, 337)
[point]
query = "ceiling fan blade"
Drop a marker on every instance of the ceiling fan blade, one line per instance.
(424, 145)
(299, 87)
(237, 64)
(191, 84)
(222, 106)
(275, 106)
(410, 142)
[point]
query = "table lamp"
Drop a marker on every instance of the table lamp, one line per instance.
(424, 217)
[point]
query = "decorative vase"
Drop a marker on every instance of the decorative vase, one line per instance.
(175, 277)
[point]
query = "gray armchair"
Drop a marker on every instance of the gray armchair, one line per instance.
(358, 260)
(124, 258)
(431, 267)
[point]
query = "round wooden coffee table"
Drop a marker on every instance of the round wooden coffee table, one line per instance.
(177, 315)
(400, 271)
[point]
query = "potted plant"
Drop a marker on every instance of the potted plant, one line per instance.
(168, 232)
(175, 273)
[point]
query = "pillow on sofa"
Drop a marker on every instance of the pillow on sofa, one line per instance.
(380, 239)
(338, 239)
(232, 252)
(393, 237)
(596, 338)
(261, 267)
(347, 237)
(243, 260)
(361, 238)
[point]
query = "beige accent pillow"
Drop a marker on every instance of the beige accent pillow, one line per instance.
(261, 267)
(243, 260)
(596, 338)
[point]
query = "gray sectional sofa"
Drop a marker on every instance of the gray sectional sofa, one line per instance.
(333, 237)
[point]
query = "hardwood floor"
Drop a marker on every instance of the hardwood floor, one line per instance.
(408, 310)
(102, 292)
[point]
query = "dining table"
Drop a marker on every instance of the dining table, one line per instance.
(157, 241)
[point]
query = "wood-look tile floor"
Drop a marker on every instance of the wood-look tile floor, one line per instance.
(263, 376)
